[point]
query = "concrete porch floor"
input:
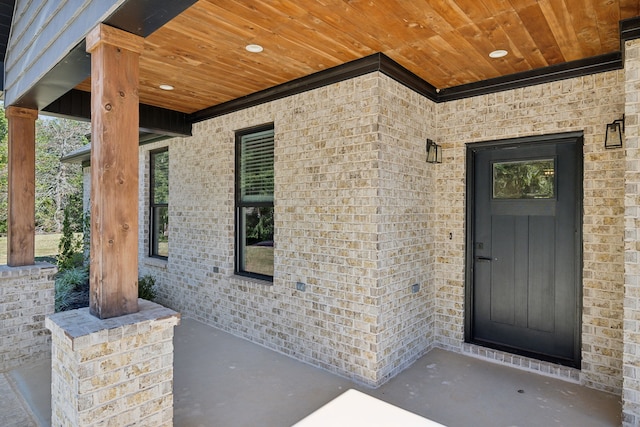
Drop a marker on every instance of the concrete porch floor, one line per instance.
(224, 381)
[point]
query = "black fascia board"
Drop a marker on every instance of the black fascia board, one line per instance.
(400, 74)
(384, 64)
(349, 70)
(629, 30)
(144, 17)
(76, 104)
(583, 67)
(316, 80)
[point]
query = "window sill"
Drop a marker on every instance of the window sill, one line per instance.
(154, 262)
(251, 280)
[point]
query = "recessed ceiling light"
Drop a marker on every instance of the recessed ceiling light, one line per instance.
(498, 53)
(254, 48)
(166, 87)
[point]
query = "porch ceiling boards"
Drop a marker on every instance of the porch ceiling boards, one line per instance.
(201, 52)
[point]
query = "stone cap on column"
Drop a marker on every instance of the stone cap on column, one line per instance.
(39, 268)
(81, 329)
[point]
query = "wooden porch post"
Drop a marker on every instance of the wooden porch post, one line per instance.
(114, 171)
(21, 215)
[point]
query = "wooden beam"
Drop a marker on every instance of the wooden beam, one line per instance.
(114, 171)
(21, 215)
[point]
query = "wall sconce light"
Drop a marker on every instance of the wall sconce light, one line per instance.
(615, 129)
(434, 152)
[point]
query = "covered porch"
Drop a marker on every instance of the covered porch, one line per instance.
(372, 259)
(224, 381)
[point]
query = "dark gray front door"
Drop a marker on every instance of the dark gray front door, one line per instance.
(525, 247)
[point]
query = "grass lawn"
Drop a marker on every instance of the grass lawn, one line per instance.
(46, 246)
(259, 259)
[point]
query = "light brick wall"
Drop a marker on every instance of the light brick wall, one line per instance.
(26, 297)
(326, 234)
(406, 236)
(580, 104)
(338, 153)
(112, 372)
(360, 217)
(631, 391)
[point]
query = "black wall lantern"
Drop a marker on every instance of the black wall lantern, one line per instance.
(615, 129)
(434, 152)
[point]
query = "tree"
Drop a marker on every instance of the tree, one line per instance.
(69, 255)
(58, 184)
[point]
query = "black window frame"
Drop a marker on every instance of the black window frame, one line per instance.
(153, 206)
(240, 204)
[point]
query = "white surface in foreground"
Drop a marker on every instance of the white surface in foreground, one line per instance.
(354, 409)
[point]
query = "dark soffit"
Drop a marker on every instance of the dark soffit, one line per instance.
(144, 17)
(140, 17)
(6, 14)
(76, 104)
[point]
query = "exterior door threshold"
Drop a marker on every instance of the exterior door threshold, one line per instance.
(541, 367)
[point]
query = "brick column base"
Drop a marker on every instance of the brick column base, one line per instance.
(116, 371)
(26, 296)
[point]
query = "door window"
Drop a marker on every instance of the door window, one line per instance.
(528, 179)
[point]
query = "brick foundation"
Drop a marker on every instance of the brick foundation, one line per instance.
(26, 297)
(116, 371)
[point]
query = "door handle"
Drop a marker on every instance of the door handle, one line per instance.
(485, 258)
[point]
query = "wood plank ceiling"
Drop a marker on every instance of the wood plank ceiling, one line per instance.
(445, 42)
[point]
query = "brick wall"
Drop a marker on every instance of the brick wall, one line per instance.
(26, 297)
(580, 104)
(113, 372)
(631, 392)
(338, 154)
(406, 236)
(326, 233)
(361, 217)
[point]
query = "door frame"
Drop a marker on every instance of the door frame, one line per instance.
(471, 150)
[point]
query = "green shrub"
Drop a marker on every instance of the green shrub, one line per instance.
(70, 286)
(86, 238)
(69, 248)
(147, 287)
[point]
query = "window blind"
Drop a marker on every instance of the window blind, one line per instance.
(256, 166)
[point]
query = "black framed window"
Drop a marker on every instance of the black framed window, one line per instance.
(159, 205)
(254, 202)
